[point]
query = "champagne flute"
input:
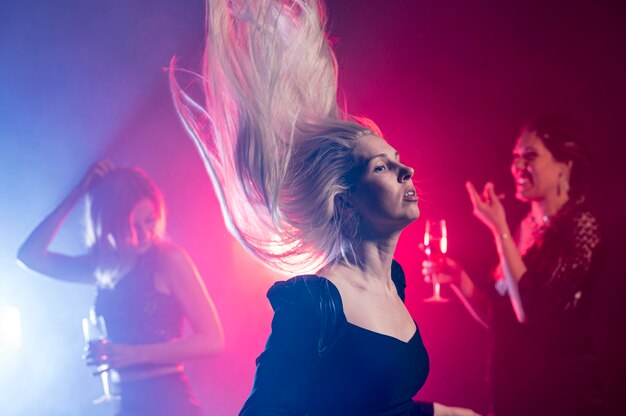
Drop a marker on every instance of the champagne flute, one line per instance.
(95, 335)
(435, 247)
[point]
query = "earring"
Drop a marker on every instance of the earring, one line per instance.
(563, 185)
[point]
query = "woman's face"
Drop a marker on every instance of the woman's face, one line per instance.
(384, 196)
(536, 172)
(142, 226)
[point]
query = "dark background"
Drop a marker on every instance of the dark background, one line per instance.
(449, 82)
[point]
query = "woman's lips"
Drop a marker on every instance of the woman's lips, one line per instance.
(411, 195)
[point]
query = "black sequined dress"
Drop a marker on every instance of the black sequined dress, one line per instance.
(135, 312)
(548, 366)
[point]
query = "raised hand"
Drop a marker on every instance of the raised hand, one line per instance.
(97, 171)
(487, 207)
(114, 355)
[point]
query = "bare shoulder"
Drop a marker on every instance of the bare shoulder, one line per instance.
(173, 256)
(176, 268)
(177, 273)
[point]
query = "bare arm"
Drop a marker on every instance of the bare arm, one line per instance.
(186, 286)
(490, 211)
(441, 410)
(34, 253)
(463, 287)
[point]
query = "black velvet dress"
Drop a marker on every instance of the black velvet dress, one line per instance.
(548, 365)
(316, 363)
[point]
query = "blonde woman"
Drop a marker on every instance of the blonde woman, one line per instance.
(313, 191)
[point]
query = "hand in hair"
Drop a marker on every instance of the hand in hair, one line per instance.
(98, 170)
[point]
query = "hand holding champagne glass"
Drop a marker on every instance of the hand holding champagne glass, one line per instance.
(435, 248)
(95, 335)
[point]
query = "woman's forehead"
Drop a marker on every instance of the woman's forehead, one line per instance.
(370, 145)
(529, 139)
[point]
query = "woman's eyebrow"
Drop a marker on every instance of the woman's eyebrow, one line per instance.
(396, 155)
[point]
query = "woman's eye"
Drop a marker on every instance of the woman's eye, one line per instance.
(530, 156)
(380, 168)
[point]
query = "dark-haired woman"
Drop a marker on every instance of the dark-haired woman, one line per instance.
(543, 358)
(146, 288)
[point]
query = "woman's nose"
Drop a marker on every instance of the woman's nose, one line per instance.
(518, 164)
(407, 173)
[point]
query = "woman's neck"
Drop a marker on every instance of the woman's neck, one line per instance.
(547, 208)
(372, 265)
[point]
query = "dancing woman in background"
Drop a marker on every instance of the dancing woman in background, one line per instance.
(544, 361)
(146, 287)
(310, 190)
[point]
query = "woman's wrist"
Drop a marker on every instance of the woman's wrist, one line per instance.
(75, 195)
(503, 236)
(501, 233)
(81, 188)
(145, 353)
(455, 270)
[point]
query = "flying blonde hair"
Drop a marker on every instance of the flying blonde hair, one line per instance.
(278, 148)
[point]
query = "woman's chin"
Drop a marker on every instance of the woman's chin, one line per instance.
(414, 214)
(412, 217)
(522, 196)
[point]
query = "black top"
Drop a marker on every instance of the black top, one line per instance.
(548, 365)
(134, 311)
(317, 363)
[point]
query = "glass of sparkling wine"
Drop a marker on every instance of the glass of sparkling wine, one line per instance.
(435, 247)
(95, 335)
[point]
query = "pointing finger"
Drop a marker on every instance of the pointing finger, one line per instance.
(472, 193)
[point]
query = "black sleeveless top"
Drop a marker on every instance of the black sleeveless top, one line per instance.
(317, 363)
(134, 311)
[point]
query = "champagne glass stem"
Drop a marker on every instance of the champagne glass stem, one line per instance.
(436, 289)
(104, 376)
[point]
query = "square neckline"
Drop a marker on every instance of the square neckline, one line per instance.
(367, 330)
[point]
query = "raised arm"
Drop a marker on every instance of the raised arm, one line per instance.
(488, 209)
(34, 253)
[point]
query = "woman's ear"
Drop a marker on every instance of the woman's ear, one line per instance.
(565, 168)
(564, 178)
(348, 215)
(344, 201)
